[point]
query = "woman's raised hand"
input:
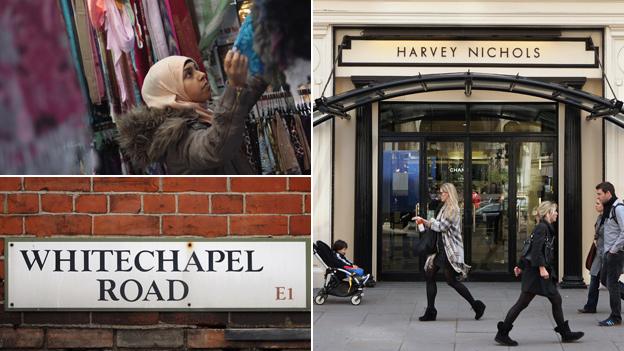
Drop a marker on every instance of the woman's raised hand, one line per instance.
(235, 67)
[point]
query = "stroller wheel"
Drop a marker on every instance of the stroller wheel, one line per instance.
(356, 299)
(320, 299)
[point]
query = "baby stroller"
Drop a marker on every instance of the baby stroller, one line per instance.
(338, 281)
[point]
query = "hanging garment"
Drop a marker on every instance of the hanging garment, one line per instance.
(141, 52)
(119, 39)
(156, 30)
(97, 64)
(97, 13)
(43, 109)
(86, 51)
(304, 142)
(289, 164)
(185, 34)
(172, 43)
(270, 136)
(294, 140)
(266, 157)
(244, 43)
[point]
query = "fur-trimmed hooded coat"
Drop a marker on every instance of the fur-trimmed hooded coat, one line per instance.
(184, 143)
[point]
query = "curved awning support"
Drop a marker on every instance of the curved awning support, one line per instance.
(328, 107)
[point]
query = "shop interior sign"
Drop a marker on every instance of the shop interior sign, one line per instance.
(157, 274)
(563, 52)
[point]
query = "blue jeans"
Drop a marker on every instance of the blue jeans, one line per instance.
(592, 293)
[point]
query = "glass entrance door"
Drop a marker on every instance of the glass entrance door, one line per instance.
(400, 192)
(489, 206)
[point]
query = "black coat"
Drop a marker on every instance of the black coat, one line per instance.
(542, 254)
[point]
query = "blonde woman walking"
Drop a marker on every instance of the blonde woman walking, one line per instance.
(449, 255)
(537, 268)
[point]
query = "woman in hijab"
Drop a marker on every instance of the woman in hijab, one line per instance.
(178, 130)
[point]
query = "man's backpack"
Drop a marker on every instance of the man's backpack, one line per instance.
(613, 216)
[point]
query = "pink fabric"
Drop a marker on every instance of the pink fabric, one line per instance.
(97, 12)
(119, 39)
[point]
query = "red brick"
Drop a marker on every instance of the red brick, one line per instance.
(56, 203)
(125, 318)
(151, 339)
(203, 184)
(300, 225)
(308, 203)
(253, 185)
(57, 183)
(274, 203)
(14, 318)
(21, 338)
(126, 225)
(2, 207)
(226, 204)
(209, 319)
(195, 225)
(159, 204)
(91, 204)
(23, 203)
(10, 184)
(193, 204)
(126, 203)
(2, 269)
(104, 184)
(258, 225)
(299, 184)
(79, 338)
(1, 249)
(59, 225)
(56, 317)
(10, 225)
(206, 338)
(269, 320)
(215, 339)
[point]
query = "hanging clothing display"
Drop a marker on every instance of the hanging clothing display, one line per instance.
(43, 106)
(113, 44)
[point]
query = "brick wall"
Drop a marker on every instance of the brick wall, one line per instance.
(99, 206)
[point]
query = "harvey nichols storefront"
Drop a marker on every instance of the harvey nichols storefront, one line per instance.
(468, 118)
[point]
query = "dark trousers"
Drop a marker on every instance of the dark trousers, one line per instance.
(610, 275)
(592, 293)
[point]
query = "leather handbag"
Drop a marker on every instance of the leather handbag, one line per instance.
(428, 243)
(591, 255)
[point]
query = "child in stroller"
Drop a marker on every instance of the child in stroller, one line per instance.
(338, 280)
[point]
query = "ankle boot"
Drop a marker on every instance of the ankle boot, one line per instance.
(566, 334)
(479, 308)
(502, 337)
(430, 315)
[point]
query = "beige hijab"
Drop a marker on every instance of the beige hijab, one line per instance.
(164, 86)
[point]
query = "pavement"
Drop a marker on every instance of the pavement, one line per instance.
(387, 320)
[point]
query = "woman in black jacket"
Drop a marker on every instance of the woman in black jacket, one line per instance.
(537, 278)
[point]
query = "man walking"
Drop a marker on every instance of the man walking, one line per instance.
(613, 249)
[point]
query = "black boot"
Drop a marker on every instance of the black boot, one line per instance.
(502, 337)
(430, 315)
(566, 334)
(479, 308)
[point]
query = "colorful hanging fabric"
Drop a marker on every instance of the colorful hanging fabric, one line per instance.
(183, 24)
(119, 39)
(167, 23)
(43, 109)
(156, 30)
(244, 43)
(86, 51)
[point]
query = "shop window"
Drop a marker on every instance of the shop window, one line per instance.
(513, 118)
